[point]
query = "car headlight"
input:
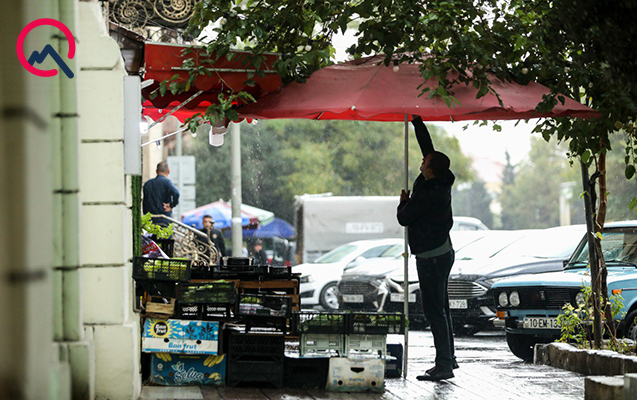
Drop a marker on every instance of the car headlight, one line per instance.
(306, 279)
(580, 299)
(503, 299)
(514, 298)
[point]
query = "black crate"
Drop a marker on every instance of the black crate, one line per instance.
(394, 366)
(215, 311)
(218, 292)
(319, 322)
(263, 305)
(188, 311)
(161, 269)
(251, 371)
(306, 373)
(256, 346)
(167, 245)
(282, 271)
(228, 262)
(376, 323)
(166, 289)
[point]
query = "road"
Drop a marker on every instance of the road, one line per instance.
(487, 371)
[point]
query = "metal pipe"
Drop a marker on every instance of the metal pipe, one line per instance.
(165, 136)
(163, 117)
(267, 71)
(406, 258)
(235, 171)
(180, 174)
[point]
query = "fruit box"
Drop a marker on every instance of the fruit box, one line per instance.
(356, 375)
(177, 369)
(180, 336)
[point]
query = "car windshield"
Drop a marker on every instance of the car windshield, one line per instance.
(337, 254)
(618, 247)
(394, 251)
(548, 243)
(488, 245)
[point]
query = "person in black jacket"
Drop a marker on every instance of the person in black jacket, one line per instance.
(215, 235)
(428, 217)
(160, 195)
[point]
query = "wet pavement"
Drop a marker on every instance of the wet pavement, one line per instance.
(488, 370)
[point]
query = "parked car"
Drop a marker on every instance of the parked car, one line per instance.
(470, 281)
(530, 251)
(319, 279)
(478, 251)
(363, 287)
(528, 305)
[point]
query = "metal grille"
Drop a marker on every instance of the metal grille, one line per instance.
(545, 298)
(356, 288)
(465, 290)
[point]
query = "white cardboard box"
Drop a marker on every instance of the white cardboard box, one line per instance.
(356, 375)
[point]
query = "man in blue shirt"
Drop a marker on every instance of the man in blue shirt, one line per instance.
(160, 195)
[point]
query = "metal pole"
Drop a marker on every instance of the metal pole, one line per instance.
(592, 255)
(406, 259)
(235, 171)
(180, 174)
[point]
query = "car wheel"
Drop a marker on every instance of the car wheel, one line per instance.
(328, 297)
(521, 345)
(631, 326)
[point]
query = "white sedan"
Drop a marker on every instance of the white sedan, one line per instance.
(319, 278)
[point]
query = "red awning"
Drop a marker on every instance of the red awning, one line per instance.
(163, 61)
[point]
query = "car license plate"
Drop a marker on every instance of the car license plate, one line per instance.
(541, 323)
(401, 297)
(353, 298)
(458, 304)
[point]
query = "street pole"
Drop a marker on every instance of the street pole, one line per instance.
(406, 259)
(180, 181)
(235, 171)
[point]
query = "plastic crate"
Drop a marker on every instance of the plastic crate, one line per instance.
(219, 292)
(248, 371)
(235, 261)
(166, 289)
(368, 345)
(319, 322)
(188, 310)
(161, 269)
(167, 245)
(321, 344)
(215, 311)
(306, 373)
(279, 271)
(263, 305)
(255, 346)
(394, 365)
(376, 323)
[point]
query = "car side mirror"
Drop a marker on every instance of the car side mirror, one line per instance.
(354, 262)
(564, 263)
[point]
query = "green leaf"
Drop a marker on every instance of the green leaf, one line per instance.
(162, 89)
(633, 203)
(630, 171)
(586, 156)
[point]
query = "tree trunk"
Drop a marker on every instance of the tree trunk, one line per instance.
(601, 218)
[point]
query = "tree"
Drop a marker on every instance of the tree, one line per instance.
(281, 159)
(575, 48)
(473, 201)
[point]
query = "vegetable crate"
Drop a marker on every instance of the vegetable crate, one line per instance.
(159, 307)
(319, 322)
(161, 269)
(376, 323)
(394, 361)
(202, 311)
(165, 289)
(255, 345)
(167, 245)
(368, 345)
(322, 344)
(306, 373)
(252, 304)
(216, 292)
(356, 375)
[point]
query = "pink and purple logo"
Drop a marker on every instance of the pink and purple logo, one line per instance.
(48, 50)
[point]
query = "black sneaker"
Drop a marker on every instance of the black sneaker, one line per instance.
(435, 375)
(454, 366)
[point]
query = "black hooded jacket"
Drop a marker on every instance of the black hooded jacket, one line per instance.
(427, 213)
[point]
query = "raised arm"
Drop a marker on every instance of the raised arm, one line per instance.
(422, 135)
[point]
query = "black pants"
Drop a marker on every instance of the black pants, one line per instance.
(433, 274)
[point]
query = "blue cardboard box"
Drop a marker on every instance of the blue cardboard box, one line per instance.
(180, 336)
(183, 369)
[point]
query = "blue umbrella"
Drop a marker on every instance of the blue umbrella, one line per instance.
(276, 228)
(221, 213)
